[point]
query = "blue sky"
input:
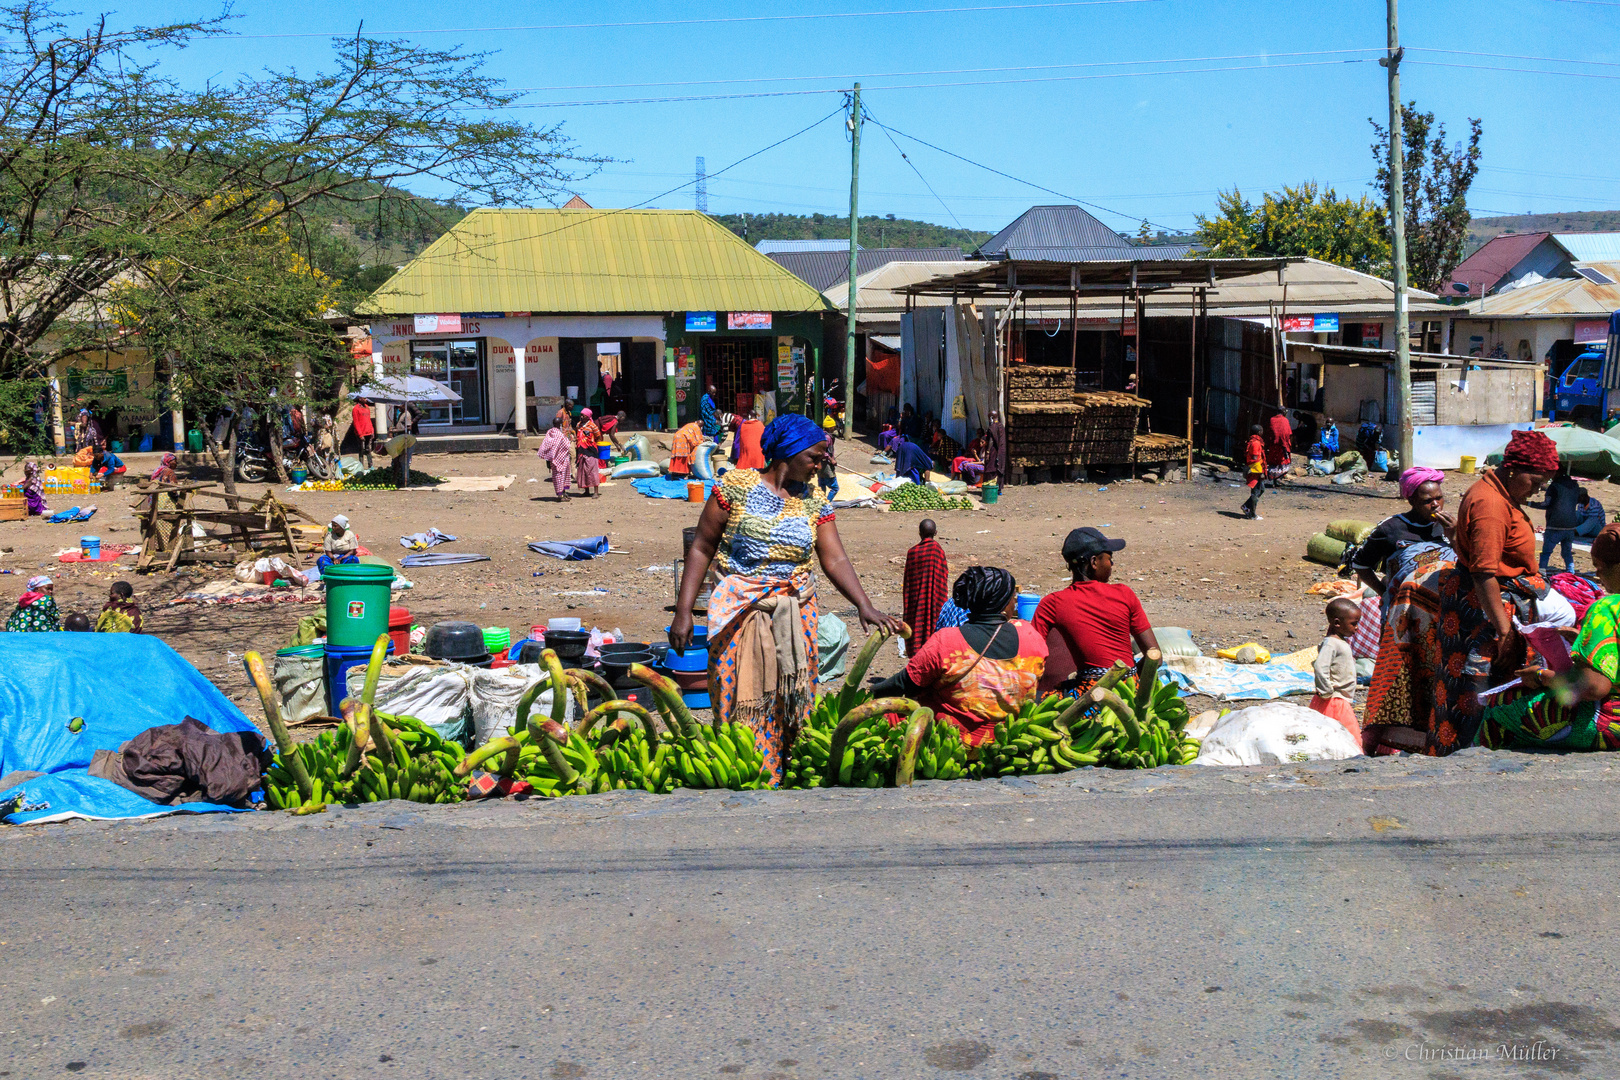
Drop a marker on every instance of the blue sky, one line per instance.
(1288, 107)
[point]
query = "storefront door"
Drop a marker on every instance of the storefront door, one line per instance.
(739, 368)
(460, 366)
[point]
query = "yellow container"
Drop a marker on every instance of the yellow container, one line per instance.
(1466, 466)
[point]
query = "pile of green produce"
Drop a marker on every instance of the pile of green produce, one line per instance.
(923, 497)
(382, 479)
(1142, 730)
(371, 757)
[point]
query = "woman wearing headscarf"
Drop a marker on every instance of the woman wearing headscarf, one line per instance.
(164, 473)
(995, 448)
(557, 450)
(979, 673)
(762, 527)
(1425, 523)
(590, 467)
(1449, 633)
(33, 488)
(911, 461)
(36, 608)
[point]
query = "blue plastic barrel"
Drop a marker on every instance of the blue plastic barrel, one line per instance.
(90, 547)
(1027, 602)
(339, 659)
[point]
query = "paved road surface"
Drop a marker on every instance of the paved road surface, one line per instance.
(1324, 920)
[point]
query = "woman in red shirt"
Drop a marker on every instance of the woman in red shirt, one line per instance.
(977, 674)
(587, 464)
(363, 429)
(1099, 622)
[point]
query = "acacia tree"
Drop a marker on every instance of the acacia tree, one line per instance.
(1300, 221)
(1436, 177)
(108, 166)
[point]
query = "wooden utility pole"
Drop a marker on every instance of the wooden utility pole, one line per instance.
(1397, 239)
(854, 287)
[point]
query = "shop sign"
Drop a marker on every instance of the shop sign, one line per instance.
(1299, 324)
(1326, 324)
(700, 322)
(1372, 335)
(89, 383)
(1589, 330)
(483, 315)
(748, 320)
(438, 324)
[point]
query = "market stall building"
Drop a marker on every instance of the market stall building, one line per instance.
(1546, 322)
(520, 310)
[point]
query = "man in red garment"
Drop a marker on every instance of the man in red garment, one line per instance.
(363, 429)
(924, 586)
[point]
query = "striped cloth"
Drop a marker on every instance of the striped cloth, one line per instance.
(925, 588)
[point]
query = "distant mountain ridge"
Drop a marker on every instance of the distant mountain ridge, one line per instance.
(1481, 229)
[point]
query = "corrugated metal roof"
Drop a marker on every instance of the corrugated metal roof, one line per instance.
(1484, 269)
(590, 261)
(1556, 298)
(824, 269)
(1098, 254)
(1054, 233)
(1313, 287)
(771, 247)
(1591, 247)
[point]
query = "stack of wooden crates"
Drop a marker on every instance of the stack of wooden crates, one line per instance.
(1050, 426)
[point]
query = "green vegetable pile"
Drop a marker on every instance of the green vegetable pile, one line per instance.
(923, 497)
(382, 479)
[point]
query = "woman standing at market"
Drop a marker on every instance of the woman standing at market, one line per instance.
(979, 673)
(590, 467)
(557, 450)
(1449, 634)
(762, 528)
(36, 608)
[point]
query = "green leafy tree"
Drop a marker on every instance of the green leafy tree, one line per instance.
(1435, 179)
(108, 166)
(1304, 221)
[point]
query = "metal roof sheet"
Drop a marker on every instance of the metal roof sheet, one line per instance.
(1485, 268)
(772, 247)
(824, 269)
(1554, 298)
(590, 261)
(1052, 231)
(1591, 247)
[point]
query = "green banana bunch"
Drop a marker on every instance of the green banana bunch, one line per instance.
(419, 769)
(1144, 727)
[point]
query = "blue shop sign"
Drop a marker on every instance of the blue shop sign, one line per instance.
(1326, 324)
(700, 321)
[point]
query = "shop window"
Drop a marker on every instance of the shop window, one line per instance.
(739, 368)
(458, 365)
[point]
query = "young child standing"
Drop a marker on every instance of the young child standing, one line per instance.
(1336, 666)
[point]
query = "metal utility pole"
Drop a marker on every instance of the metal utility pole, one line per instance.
(1397, 242)
(854, 228)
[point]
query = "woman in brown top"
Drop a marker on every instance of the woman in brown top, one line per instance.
(1449, 632)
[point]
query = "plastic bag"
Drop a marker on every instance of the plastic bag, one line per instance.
(495, 694)
(1350, 530)
(437, 696)
(638, 447)
(636, 469)
(1276, 733)
(301, 682)
(1248, 653)
(1324, 549)
(702, 463)
(1174, 641)
(832, 646)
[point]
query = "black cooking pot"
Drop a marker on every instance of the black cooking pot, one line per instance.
(624, 648)
(462, 642)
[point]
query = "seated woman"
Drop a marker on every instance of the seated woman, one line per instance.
(36, 608)
(106, 465)
(339, 545)
(977, 674)
(1425, 523)
(1578, 709)
(911, 461)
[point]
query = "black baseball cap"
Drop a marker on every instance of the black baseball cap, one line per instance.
(1085, 542)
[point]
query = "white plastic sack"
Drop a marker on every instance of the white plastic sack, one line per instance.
(434, 695)
(301, 682)
(635, 469)
(495, 693)
(1276, 733)
(1175, 641)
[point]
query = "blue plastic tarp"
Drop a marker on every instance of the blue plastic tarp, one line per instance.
(572, 550)
(660, 487)
(121, 685)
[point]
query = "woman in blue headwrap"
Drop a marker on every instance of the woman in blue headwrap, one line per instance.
(761, 528)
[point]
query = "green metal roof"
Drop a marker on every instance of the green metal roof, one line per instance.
(590, 261)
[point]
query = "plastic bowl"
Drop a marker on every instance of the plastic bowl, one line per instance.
(459, 641)
(562, 624)
(626, 648)
(568, 644)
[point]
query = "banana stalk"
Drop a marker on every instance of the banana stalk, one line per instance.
(559, 687)
(863, 659)
(359, 733)
(271, 700)
(1113, 702)
(677, 717)
(493, 748)
(553, 736)
(1147, 679)
(595, 684)
(610, 708)
(922, 722)
(1110, 679)
(854, 719)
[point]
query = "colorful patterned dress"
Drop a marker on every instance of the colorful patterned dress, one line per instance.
(1537, 721)
(765, 552)
(35, 613)
(589, 468)
(976, 692)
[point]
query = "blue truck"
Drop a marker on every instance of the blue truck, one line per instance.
(1587, 391)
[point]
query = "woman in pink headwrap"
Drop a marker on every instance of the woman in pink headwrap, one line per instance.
(1449, 633)
(589, 465)
(1425, 523)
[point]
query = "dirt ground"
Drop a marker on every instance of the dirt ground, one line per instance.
(1192, 559)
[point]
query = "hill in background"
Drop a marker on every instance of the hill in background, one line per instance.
(875, 231)
(1482, 229)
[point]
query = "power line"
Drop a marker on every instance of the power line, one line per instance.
(1516, 56)
(955, 71)
(1524, 71)
(662, 194)
(933, 85)
(890, 135)
(1028, 183)
(714, 21)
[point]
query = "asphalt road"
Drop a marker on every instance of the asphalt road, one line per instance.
(1354, 919)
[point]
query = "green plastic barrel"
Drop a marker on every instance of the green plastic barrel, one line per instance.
(356, 603)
